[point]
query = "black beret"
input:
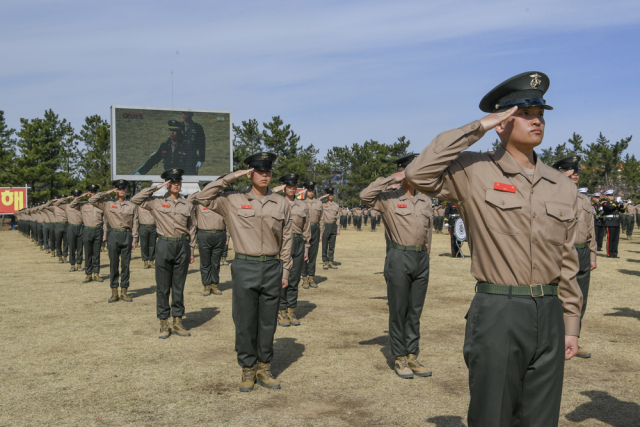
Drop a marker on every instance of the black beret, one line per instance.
(403, 162)
(172, 175)
(261, 161)
(93, 188)
(524, 90)
(571, 162)
(290, 178)
(76, 193)
(120, 183)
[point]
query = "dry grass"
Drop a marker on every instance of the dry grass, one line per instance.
(71, 359)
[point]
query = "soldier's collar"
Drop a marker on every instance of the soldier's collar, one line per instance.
(508, 164)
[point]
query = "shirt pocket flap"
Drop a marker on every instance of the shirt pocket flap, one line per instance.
(246, 213)
(426, 212)
(278, 215)
(503, 200)
(403, 211)
(589, 209)
(559, 211)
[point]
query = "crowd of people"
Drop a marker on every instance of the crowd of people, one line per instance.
(533, 235)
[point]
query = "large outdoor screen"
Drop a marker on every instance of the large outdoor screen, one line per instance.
(147, 141)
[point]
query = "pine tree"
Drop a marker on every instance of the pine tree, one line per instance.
(95, 165)
(7, 154)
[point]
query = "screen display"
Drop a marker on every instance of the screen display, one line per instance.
(147, 141)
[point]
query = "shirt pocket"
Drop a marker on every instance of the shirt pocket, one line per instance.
(275, 221)
(426, 218)
(402, 211)
(558, 219)
(246, 218)
(503, 211)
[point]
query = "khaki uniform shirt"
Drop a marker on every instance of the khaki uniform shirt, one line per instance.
(521, 228)
(357, 212)
(119, 215)
(73, 216)
(630, 209)
(343, 212)
(407, 220)
(48, 212)
(315, 213)
(585, 228)
(330, 213)
(59, 215)
(145, 216)
(300, 221)
(91, 216)
(174, 218)
(205, 217)
(258, 225)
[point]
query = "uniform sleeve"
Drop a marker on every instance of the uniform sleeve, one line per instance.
(306, 231)
(58, 202)
(287, 241)
(321, 224)
(152, 161)
(592, 234)
(437, 171)
(191, 224)
(96, 200)
(208, 197)
(142, 198)
(136, 224)
(370, 195)
(568, 290)
(75, 204)
(105, 230)
(338, 223)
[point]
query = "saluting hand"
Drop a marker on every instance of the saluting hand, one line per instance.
(322, 197)
(241, 173)
(278, 189)
(399, 176)
(494, 119)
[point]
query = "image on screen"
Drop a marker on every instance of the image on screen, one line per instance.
(147, 141)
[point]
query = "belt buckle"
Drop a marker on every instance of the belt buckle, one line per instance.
(531, 287)
(418, 248)
(262, 258)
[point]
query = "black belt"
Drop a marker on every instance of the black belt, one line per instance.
(120, 229)
(533, 291)
(261, 258)
(174, 239)
(147, 225)
(211, 231)
(409, 248)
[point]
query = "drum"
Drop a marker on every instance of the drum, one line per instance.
(459, 231)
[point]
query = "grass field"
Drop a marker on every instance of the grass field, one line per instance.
(71, 359)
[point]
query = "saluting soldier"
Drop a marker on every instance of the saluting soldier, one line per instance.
(148, 235)
(343, 217)
(365, 215)
(357, 218)
(212, 239)
(301, 231)
(59, 228)
(611, 210)
(330, 213)
(374, 219)
(585, 236)
(74, 232)
(407, 218)
(260, 226)
(521, 226)
(122, 215)
(93, 233)
(176, 228)
(316, 222)
(173, 151)
(598, 220)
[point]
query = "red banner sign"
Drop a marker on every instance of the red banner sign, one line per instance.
(12, 200)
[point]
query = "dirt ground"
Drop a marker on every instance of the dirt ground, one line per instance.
(71, 359)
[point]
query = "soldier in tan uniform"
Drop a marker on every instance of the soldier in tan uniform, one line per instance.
(521, 217)
(60, 228)
(316, 220)
(357, 218)
(74, 232)
(407, 218)
(330, 213)
(301, 230)
(148, 235)
(92, 234)
(212, 239)
(260, 226)
(630, 212)
(343, 217)
(122, 215)
(176, 227)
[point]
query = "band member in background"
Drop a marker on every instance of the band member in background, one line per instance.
(451, 215)
(611, 210)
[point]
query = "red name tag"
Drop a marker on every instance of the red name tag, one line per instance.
(504, 187)
(87, 207)
(326, 207)
(166, 206)
(205, 209)
(402, 206)
(114, 207)
(247, 206)
(164, 152)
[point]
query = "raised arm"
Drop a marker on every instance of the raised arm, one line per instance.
(370, 195)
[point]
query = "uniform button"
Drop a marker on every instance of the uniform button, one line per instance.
(535, 214)
(502, 202)
(534, 241)
(473, 126)
(535, 266)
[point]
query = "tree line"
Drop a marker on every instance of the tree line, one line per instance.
(49, 156)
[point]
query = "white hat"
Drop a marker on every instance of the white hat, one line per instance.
(608, 193)
(597, 194)
(583, 190)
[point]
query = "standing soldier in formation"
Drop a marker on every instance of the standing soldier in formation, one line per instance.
(521, 225)
(451, 215)
(407, 218)
(212, 239)
(122, 215)
(260, 226)
(331, 230)
(74, 233)
(374, 219)
(365, 215)
(637, 206)
(316, 222)
(174, 250)
(148, 236)
(299, 249)
(60, 228)
(598, 220)
(357, 218)
(93, 233)
(630, 213)
(349, 215)
(585, 236)
(343, 217)
(611, 211)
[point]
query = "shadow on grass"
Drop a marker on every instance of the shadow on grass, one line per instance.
(633, 260)
(383, 298)
(286, 352)
(630, 272)
(136, 293)
(304, 308)
(383, 341)
(226, 285)
(319, 279)
(199, 318)
(607, 409)
(625, 312)
(447, 421)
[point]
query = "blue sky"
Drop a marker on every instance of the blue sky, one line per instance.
(339, 71)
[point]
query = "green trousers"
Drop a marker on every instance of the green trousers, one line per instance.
(256, 295)
(92, 239)
(74, 237)
(172, 266)
(343, 221)
(583, 277)
(630, 224)
(366, 217)
(211, 247)
(407, 277)
(147, 236)
(514, 349)
(309, 266)
(62, 244)
(52, 237)
(329, 242)
(638, 219)
(225, 251)
(119, 247)
(289, 295)
(46, 229)
(374, 222)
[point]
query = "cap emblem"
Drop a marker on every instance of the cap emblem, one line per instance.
(575, 158)
(265, 156)
(535, 82)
